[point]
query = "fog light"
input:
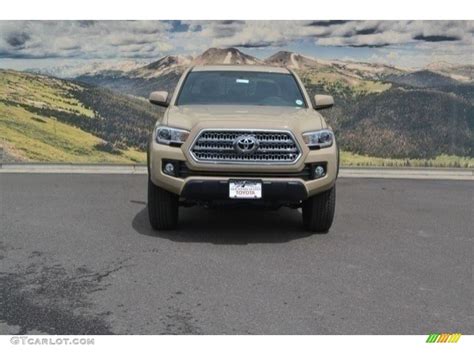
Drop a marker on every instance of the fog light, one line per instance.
(169, 169)
(319, 171)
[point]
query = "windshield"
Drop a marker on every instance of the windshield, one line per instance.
(240, 88)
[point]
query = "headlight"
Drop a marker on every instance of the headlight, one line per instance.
(322, 139)
(168, 135)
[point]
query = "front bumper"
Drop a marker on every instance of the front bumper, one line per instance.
(291, 187)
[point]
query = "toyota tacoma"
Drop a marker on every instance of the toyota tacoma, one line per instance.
(242, 135)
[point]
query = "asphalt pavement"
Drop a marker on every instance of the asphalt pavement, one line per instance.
(78, 256)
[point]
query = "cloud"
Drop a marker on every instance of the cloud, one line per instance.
(339, 33)
(393, 33)
(17, 39)
(152, 39)
(436, 38)
(367, 31)
(327, 23)
(83, 39)
(260, 44)
(251, 34)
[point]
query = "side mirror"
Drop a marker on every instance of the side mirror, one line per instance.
(159, 98)
(323, 101)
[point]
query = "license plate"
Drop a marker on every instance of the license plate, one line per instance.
(245, 189)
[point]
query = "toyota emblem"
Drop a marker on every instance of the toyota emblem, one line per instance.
(245, 144)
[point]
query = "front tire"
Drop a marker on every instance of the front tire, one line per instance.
(163, 207)
(318, 211)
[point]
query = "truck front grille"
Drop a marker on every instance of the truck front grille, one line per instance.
(219, 146)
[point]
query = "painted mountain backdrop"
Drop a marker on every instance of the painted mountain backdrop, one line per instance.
(384, 115)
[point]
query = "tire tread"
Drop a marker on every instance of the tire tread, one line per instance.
(318, 211)
(163, 207)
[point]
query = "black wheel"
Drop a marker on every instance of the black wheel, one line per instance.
(163, 207)
(318, 211)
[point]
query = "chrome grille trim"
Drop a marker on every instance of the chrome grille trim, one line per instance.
(215, 146)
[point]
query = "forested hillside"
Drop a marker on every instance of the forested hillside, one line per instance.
(401, 123)
(48, 119)
(136, 86)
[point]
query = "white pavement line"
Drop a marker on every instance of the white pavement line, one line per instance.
(72, 169)
(378, 173)
(437, 174)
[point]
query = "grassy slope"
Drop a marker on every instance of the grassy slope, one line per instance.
(441, 161)
(337, 83)
(31, 137)
(40, 91)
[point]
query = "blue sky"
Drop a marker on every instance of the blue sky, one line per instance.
(26, 44)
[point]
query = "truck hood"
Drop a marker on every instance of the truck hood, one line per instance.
(189, 116)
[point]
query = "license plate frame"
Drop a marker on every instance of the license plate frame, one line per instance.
(251, 189)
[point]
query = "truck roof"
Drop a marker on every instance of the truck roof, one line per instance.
(241, 67)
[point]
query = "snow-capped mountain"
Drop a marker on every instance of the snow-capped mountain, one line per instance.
(293, 60)
(225, 56)
(357, 70)
(161, 67)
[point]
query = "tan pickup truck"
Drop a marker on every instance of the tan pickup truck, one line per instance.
(236, 134)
